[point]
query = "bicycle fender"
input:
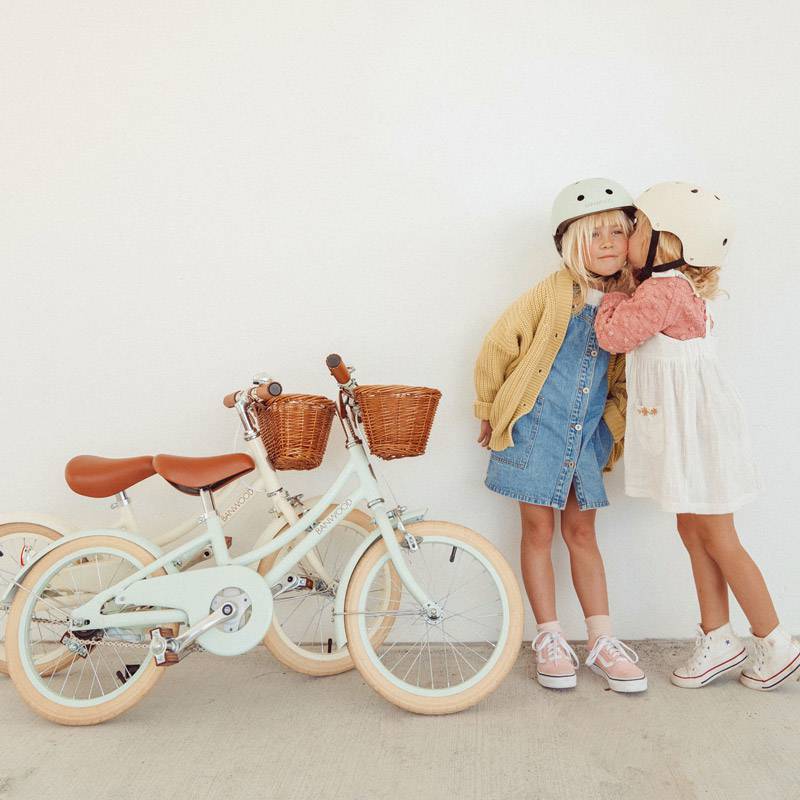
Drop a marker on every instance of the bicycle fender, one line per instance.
(46, 521)
(9, 591)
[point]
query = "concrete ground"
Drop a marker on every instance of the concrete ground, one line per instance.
(248, 728)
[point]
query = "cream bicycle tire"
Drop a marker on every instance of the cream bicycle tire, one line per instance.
(21, 668)
(8, 530)
(433, 701)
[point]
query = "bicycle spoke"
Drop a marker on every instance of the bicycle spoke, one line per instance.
(430, 661)
(466, 646)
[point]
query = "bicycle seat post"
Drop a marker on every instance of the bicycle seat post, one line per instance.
(209, 508)
(122, 504)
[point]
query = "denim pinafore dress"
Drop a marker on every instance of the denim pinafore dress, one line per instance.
(563, 439)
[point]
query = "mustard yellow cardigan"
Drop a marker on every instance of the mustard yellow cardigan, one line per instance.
(518, 353)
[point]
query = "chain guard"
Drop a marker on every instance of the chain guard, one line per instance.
(194, 593)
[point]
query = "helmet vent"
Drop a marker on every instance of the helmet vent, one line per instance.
(717, 196)
(580, 197)
(609, 191)
(694, 191)
(724, 242)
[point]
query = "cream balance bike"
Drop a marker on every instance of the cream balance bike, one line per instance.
(291, 639)
(430, 611)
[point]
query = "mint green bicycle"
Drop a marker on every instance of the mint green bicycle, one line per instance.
(430, 611)
(306, 648)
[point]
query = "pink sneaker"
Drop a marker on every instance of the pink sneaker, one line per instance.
(556, 661)
(616, 662)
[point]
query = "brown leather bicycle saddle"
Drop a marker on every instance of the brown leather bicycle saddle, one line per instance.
(94, 476)
(190, 475)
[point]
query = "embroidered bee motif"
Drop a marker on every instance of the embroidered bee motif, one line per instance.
(647, 412)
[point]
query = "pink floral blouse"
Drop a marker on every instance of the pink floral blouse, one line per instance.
(659, 305)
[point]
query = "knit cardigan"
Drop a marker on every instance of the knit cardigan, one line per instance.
(518, 353)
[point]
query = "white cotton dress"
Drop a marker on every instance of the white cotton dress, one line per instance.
(686, 443)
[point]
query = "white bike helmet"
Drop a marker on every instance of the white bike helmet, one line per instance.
(585, 197)
(702, 220)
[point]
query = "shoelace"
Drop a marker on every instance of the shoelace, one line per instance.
(615, 647)
(761, 653)
(697, 655)
(552, 641)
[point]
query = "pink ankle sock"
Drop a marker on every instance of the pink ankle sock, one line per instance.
(596, 626)
(553, 626)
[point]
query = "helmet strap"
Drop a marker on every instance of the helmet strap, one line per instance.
(648, 269)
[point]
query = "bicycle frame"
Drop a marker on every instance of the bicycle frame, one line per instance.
(358, 466)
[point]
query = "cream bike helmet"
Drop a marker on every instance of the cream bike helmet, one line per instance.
(702, 220)
(589, 196)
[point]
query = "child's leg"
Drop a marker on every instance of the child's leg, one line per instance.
(718, 535)
(607, 655)
(709, 582)
(555, 659)
(536, 561)
(588, 573)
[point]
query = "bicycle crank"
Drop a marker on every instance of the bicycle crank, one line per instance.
(228, 612)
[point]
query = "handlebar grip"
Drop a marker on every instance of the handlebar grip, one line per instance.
(267, 391)
(337, 368)
(229, 401)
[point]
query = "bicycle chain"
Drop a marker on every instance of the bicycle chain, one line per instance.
(195, 648)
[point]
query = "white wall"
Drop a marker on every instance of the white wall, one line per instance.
(192, 192)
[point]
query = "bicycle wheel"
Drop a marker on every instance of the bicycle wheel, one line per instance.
(19, 543)
(444, 665)
(302, 633)
(103, 672)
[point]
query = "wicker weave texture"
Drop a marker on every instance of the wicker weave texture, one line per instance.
(397, 419)
(295, 428)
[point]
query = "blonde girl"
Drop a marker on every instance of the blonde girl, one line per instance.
(552, 407)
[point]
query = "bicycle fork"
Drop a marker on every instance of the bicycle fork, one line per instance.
(377, 506)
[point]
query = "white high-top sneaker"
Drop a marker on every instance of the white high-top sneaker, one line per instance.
(715, 653)
(776, 658)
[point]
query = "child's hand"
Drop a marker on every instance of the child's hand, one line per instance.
(486, 433)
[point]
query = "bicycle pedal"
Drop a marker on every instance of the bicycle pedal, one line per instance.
(160, 639)
(75, 645)
(130, 671)
(291, 583)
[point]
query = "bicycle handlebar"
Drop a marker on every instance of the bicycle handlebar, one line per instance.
(266, 391)
(337, 368)
(262, 393)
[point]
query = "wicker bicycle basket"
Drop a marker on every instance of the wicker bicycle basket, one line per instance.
(295, 428)
(397, 419)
